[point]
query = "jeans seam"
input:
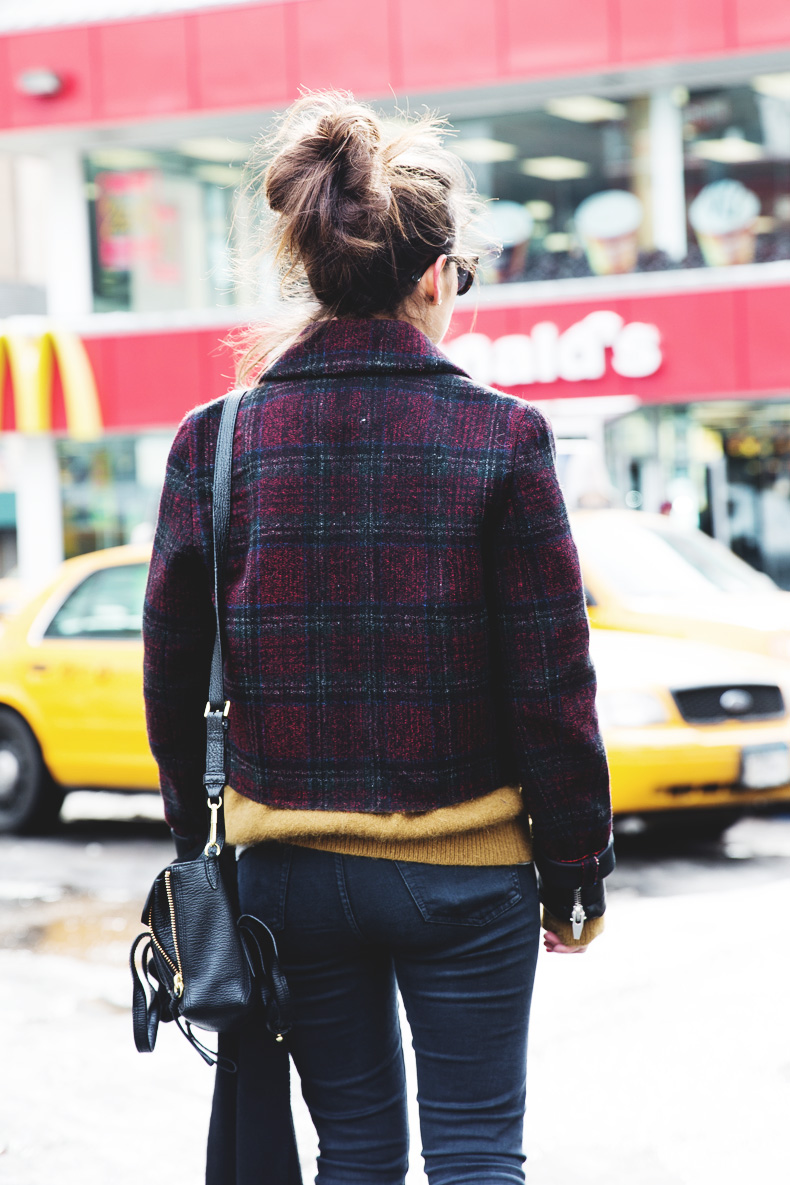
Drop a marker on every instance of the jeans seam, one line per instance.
(342, 888)
(282, 893)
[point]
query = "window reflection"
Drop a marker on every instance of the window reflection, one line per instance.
(161, 225)
(585, 185)
(110, 490)
(567, 182)
(737, 172)
(107, 604)
(575, 184)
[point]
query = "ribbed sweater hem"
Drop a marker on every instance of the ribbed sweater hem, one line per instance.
(504, 843)
(490, 830)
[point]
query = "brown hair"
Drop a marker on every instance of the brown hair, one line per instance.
(355, 206)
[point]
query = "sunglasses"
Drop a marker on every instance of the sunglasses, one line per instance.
(465, 273)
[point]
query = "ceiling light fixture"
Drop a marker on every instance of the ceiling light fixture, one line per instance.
(215, 148)
(121, 158)
(554, 168)
(777, 85)
(541, 211)
(730, 150)
(586, 109)
(558, 241)
(218, 174)
(482, 151)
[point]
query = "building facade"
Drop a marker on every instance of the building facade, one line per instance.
(637, 155)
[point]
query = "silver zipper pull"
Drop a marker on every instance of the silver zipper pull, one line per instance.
(578, 916)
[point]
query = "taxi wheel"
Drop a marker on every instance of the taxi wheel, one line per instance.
(30, 800)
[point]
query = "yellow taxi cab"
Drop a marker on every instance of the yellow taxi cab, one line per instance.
(71, 706)
(645, 572)
(687, 727)
(698, 731)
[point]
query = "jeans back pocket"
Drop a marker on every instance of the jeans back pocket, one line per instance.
(461, 895)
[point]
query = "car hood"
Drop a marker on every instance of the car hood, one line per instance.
(763, 612)
(625, 659)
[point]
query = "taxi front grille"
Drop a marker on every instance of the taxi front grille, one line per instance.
(729, 701)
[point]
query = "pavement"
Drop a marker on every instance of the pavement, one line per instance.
(661, 1057)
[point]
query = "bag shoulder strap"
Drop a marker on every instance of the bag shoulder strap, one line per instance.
(217, 707)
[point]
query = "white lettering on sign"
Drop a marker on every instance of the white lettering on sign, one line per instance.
(546, 355)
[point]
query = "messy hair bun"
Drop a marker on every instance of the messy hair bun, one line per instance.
(355, 207)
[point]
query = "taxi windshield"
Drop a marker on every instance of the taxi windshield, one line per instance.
(646, 561)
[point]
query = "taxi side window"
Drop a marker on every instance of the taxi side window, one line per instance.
(108, 604)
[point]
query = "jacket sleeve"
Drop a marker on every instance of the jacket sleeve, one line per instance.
(547, 678)
(178, 634)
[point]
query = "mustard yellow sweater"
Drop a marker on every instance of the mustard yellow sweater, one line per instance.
(490, 830)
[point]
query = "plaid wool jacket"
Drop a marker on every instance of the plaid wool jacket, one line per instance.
(403, 608)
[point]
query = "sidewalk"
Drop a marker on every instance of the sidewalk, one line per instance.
(660, 1058)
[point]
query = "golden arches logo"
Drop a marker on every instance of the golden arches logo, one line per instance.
(31, 360)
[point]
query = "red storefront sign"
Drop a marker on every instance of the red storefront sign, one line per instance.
(708, 344)
(683, 346)
(545, 355)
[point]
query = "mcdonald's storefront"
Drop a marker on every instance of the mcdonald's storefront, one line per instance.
(638, 169)
(77, 472)
(685, 390)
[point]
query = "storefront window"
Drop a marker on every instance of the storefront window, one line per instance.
(737, 173)
(582, 186)
(162, 225)
(570, 187)
(723, 466)
(110, 490)
(586, 185)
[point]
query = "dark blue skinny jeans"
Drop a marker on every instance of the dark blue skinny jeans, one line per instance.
(461, 944)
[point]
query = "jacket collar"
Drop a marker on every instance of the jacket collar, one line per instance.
(361, 346)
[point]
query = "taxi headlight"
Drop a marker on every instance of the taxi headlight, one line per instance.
(630, 709)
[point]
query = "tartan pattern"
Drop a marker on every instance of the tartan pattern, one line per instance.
(404, 616)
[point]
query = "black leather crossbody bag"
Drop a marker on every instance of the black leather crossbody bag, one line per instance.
(197, 962)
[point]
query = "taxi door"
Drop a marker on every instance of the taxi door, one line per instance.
(85, 675)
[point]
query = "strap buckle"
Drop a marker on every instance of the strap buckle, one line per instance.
(212, 848)
(213, 711)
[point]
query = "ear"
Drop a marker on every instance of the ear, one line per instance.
(430, 284)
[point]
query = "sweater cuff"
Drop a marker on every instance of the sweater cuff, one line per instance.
(592, 928)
